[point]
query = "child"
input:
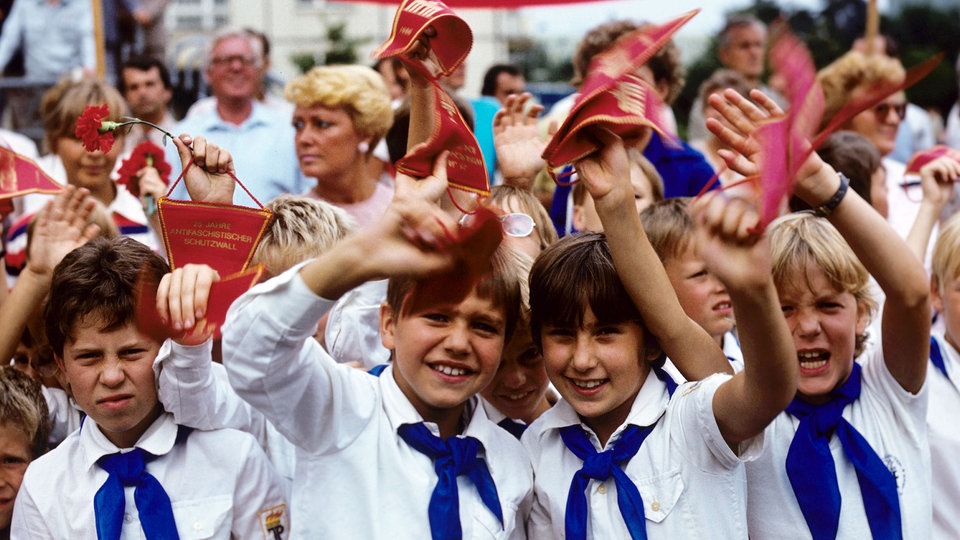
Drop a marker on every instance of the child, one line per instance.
(24, 428)
(356, 456)
(518, 393)
(647, 190)
(601, 312)
(670, 228)
(854, 428)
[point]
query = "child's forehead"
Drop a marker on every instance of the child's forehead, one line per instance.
(473, 304)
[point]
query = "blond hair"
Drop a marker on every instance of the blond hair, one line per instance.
(945, 265)
(23, 407)
(358, 90)
(801, 240)
(63, 104)
(300, 229)
(852, 72)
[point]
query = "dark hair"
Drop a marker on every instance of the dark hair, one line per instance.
(398, 134)
(853, 155)
(501, 286)
(144, 63)
(100, 279)
(490, 77)
(734, 22)
(573, 274)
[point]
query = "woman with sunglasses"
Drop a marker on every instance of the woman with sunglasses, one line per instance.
(850, 78)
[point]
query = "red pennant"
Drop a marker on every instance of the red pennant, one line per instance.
(222, 295)
(635, 101)
(223, 237)
(451, 45)
(473, 247)
(20, 176)
(926, 156)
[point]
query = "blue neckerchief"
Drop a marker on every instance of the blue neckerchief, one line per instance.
(666, 378)
(153, 504)
(377, 370)
(601, 466)
(813, 475)
(936, 357)
(515, 428)
(451, 458)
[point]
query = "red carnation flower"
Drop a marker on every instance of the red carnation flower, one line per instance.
(94, 133)
(145, 154)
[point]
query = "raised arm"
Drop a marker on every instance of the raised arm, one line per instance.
(517, 140)
(905, 323)
(936, 180)
(744, 405)
(690, 347)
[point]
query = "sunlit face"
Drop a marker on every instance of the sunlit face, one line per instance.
(745, 52)
(508, 85)
(15, 455)
(598, 368)
(945, 298)
(234, 70)
(88, 169)
(144, 92)
(520, 385)
(111, 375)
(879, 124)
(444, 354)
(326, 141)
(703, 298)
(824, 322)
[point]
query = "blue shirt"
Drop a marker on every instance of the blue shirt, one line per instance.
(262, 148)
(56, 37)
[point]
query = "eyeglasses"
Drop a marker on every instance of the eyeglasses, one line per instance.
(515, 224)
(245, 61)
(882, 110)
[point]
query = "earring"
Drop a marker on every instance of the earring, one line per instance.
(363, 147)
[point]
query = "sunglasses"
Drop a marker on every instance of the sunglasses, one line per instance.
(882, 110)
(514, 224)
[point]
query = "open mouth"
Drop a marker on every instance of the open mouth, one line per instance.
(588, 386)
(813, 360)
(450, 371)
(516, 396)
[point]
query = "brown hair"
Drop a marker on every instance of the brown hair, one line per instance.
(530, 205)
(23, 406)
(668, 226)
(852, 72)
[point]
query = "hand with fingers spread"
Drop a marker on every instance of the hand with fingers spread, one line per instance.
(517, 140)
(211, 178)
(182, 299)
(61, 227)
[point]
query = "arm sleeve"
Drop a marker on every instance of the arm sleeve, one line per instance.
(28, 522)
(258, 494)
(276, 365)
(11, 35)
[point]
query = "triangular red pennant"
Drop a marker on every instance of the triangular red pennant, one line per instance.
(20, 176)
(451, 44)
(926, 156)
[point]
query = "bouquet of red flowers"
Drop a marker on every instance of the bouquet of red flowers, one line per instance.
(145, 154)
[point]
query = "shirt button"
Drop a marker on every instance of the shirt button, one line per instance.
(655, 506)
(602, 489)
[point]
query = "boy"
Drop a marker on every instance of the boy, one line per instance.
(24, 429)
(364, 437)
(599, 334)
(670, 228)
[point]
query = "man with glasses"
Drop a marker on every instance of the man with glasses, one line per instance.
(259, 138)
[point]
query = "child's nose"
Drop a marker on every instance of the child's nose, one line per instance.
(808, 323)
(514, 378)
(457, 340)
(583, 359)
(112, 374)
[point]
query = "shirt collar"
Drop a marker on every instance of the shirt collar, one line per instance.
(158, 439)
(259, 116)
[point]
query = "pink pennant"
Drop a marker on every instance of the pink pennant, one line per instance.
(926, 156)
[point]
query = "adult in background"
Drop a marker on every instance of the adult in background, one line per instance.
(741, 46)
(259, 138)
(145, 84)
(341, 113)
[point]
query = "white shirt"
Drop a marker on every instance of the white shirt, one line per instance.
(944, 432)
(731, 349)
(691, 482)
(65, 416)
(219, 483)
(351, 463)
(353, 326)
(892, 420)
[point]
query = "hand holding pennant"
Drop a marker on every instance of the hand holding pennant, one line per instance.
(926, 156)
(613, 96)
(432, 40)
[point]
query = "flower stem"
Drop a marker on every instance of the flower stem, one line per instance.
(129, 121)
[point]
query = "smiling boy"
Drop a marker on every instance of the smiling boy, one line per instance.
(217, 482)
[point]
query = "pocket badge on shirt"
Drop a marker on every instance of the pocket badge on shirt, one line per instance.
(274, 522)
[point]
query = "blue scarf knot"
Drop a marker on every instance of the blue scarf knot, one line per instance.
(153, 503)
(813, 474)
(452, 457)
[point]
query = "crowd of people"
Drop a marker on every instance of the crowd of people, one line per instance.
(639, 355)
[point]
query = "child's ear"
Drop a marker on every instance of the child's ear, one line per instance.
(935, 299)
(388, 324)
(59, 360)
(578, 217)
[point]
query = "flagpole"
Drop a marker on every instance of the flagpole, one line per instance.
(97, 10)
(873, 26)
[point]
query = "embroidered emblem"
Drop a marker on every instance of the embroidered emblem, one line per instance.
(896, 468)
(273, 520)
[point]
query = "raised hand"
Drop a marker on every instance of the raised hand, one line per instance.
(606, 173)
(182, 299)
(211, 178)
(61, 227)
(517, 140)
(739, 257)
(937, 179)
